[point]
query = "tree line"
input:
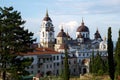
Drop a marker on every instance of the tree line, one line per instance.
(110, 65)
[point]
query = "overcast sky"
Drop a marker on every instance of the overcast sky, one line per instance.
(99, 14)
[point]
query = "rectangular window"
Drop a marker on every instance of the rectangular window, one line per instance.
(53, 57)
(54, 64)
(31, 66)
(50, 65)
(39, 59)
(57, 57)
(43, 60)
(31, 72)
(87, 54)
(83, 54)
(46, 66)
(69, 62)
(57, 64)
(39, 65)
(74, 70)
(50, 59)
(62, 62)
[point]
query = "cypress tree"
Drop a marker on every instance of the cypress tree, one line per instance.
(66, 67)
(14, 40)
(110, 55)
(117, 56)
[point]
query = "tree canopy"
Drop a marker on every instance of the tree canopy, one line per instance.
(14, 40)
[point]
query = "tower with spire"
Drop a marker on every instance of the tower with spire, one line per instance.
(47, 38)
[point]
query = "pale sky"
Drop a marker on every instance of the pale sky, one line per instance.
(99, 14)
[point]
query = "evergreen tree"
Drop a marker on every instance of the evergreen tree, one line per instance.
(110, 55)
(14, 41)
(97, 64)
(92, 63)
(117, 56)
(66, 67)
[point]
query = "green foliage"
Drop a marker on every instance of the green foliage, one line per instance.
(97, 64)
(92, 63)
(14, 41)
(110, 55)
(66, 67)
(117, 56)
(100, 72)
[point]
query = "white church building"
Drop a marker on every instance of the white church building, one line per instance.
(49, 55)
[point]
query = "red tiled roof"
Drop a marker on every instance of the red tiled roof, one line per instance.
(42, 51)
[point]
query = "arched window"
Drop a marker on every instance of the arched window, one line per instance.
(43, 34)
(58, 41)
(84, 35)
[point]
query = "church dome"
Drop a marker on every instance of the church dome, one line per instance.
(103, 44)
(62, 34)
(82, 28)
(47, 18)
(97, 34)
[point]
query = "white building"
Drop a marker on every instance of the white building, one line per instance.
(48, 61)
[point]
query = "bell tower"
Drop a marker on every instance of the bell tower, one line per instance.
(47, 32)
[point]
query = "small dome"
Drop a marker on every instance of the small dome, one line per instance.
(63, 46)
(82, 28)
(62, 34)
(103, 45)
(97, 34)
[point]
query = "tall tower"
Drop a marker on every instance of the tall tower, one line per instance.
(47, 32)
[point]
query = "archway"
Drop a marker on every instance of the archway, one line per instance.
(84, 70)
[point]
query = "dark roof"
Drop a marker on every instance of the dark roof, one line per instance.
(47, 18)
(68, 36)
(97, 34)
(82, 28)
(62, 34)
